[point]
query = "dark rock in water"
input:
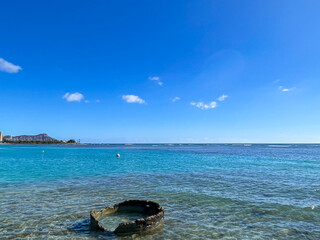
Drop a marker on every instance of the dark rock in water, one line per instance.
(267, 195)
(258, 212)
(153, 222)
(40, 137)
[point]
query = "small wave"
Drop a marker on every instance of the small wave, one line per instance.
(284, 146)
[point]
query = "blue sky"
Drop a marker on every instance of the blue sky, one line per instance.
(161, 71)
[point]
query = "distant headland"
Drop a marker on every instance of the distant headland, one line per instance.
(42, 138)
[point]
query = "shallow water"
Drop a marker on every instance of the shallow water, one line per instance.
(112, 221)
(208, 191)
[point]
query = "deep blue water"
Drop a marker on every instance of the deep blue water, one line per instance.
(208, 191)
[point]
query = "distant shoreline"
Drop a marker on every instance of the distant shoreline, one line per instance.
(39, 143)
(165, 144)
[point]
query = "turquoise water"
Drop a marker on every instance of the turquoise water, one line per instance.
(209, 192)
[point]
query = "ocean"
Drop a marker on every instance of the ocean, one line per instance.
(215, 191)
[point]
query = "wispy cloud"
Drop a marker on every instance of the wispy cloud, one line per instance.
(8, 67)
(287, 89)
(222, 97)
(204, 106)
(92, 101)
(133, 99)
(175, 99)
(282, 89)
(73, 97)
(156, 79)
(276, 81)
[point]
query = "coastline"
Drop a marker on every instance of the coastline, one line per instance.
(30, 143)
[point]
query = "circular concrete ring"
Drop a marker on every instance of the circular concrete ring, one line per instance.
(153, 222)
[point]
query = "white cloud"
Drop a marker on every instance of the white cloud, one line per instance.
(204, 106)
(281, 88)
(133, 99)
(286, 89)
(222, 97)
(175, 99)
(156, 79)
(8, 67)
(73, 97)
(86, 101)
(97, 100)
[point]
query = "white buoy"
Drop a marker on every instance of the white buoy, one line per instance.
(118, 155)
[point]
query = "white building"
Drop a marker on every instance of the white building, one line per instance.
(1, 136)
